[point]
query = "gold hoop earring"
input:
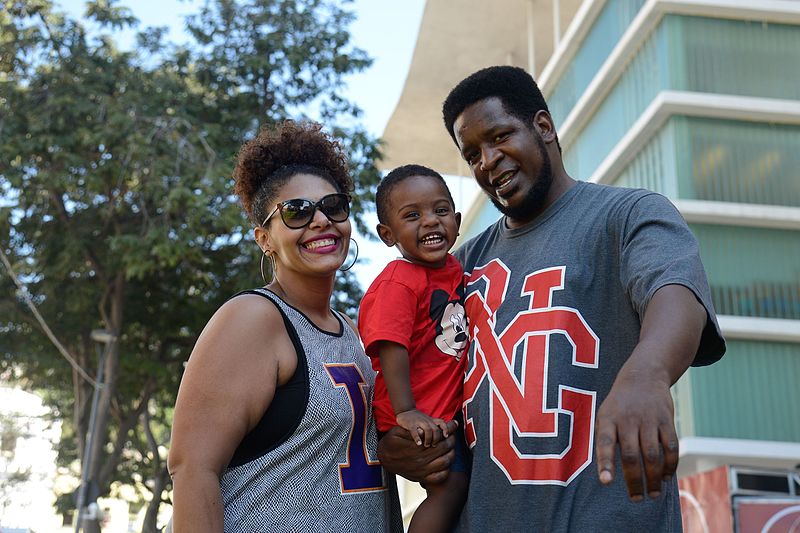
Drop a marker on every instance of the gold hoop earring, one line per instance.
(354, 242)
(272, 266)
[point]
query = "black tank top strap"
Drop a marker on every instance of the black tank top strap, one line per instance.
(288, 405)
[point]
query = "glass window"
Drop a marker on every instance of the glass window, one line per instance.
(729, 399)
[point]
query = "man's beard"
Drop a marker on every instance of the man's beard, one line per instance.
(534, 200)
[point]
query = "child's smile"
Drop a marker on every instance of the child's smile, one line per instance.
(422, 222)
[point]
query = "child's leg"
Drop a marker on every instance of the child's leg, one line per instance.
(441, 509)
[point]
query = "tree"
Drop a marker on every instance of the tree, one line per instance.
(117, 213)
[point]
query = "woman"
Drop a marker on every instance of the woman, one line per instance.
(272, 428)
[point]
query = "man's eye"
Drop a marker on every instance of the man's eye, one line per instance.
(500, 137)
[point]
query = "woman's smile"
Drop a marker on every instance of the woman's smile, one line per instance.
(322, 244)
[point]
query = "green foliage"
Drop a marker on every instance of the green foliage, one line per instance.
(117, 210)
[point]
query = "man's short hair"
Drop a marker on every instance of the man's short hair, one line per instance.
(390, 181)
(515, 88)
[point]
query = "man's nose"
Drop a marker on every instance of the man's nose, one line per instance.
(489, 158)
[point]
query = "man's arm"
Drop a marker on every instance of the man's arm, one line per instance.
(638, 414)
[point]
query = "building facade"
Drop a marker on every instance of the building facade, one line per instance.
(698, 100)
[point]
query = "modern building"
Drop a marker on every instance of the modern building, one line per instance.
(696, 99)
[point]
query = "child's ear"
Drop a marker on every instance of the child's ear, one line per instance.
(458, 222)
(386, 235)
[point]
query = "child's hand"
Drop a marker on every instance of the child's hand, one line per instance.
(422, 427)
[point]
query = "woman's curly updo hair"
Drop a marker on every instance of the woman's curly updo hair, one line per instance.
(267, 162)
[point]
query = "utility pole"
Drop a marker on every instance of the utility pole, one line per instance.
(88, 513)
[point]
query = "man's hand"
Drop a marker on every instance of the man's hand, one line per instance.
(637, 415)
(422, 427)
(399, 454)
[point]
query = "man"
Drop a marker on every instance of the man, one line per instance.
(586, 303)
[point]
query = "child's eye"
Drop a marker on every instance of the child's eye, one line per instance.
(411, 214)
(442, 210)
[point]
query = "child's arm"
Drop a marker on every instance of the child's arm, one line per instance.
(394, 366)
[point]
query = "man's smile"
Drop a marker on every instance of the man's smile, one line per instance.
(503, 183)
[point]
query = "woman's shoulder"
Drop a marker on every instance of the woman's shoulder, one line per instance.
(350, 323)
(249, 309)
(242, 323)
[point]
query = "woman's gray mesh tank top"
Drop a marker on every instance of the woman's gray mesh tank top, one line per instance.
(325, 476)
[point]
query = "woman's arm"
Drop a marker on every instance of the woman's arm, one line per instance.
(229, 382)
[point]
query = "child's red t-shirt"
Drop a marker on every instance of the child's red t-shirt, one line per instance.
(420, 308)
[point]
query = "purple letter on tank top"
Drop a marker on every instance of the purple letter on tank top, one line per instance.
(358, 474)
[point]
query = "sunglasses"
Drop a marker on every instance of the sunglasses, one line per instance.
(299, 213)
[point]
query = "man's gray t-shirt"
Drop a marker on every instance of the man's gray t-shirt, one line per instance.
(555, 309)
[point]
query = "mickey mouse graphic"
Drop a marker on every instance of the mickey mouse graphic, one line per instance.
(450, 322)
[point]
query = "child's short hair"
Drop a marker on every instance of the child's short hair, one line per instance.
(514, 87)
(394, 177)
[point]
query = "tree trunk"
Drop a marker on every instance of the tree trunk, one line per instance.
(91, 526)
(150, 524)
(111, 366)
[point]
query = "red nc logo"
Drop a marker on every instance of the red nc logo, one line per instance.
(517, 406)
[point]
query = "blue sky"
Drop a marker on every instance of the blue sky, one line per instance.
(386, 29)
